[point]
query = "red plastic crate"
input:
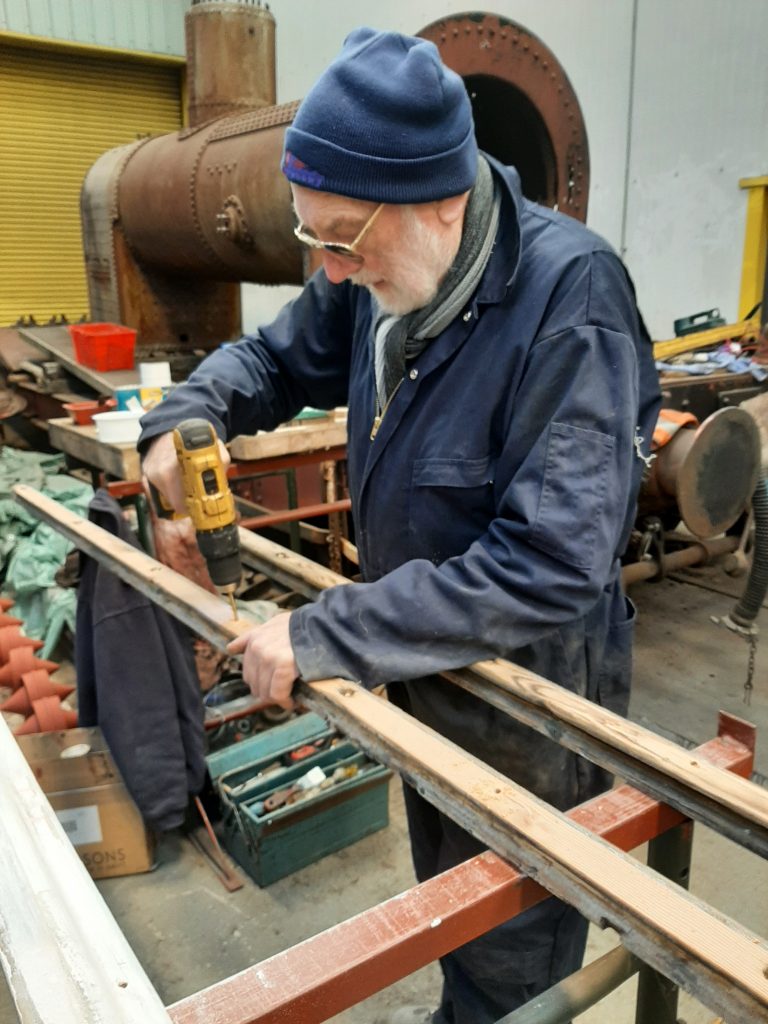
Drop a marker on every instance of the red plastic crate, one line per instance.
(103, 346)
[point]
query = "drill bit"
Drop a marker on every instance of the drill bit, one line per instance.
(232, 604)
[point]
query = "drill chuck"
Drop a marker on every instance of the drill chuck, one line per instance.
(221, 550)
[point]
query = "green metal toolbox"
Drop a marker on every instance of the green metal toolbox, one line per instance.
(275, 820)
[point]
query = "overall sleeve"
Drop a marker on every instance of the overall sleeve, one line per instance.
(301, 358)
(560, 523)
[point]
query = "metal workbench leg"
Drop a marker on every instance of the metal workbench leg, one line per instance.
(293, 502)
(670, 855)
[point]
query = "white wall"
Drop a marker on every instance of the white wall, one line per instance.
(699, 124)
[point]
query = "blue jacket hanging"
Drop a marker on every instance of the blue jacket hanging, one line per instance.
(136, 679)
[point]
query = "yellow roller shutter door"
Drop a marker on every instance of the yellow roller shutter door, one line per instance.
(58, 112)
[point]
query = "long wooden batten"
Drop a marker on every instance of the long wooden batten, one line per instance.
(734, 807)
(704, 952)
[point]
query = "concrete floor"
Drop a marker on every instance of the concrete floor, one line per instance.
(188, 932)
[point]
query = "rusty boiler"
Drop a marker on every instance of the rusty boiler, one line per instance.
(173, 224)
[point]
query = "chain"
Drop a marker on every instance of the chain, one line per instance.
(752, 641)
(750, 634)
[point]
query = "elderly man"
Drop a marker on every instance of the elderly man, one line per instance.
(501, 394)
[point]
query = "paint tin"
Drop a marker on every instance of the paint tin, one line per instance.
(124, 396)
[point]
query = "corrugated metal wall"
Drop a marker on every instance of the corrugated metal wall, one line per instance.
(59, 111)
(154, 26)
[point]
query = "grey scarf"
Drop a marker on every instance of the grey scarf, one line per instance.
(401, 338)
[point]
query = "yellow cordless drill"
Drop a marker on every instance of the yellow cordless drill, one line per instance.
(210, 504)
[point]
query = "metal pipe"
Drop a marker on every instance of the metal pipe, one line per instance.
(290, 515)
(698, 553)
(575, 994)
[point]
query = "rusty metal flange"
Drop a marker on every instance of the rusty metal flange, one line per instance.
(526, 111)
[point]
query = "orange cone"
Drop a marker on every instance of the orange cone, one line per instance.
(48, 716)
(9, 620)
(10, 637)
(35, 685)
(21, 660)
(6, 603)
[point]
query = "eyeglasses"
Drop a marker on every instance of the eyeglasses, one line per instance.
(347, 250)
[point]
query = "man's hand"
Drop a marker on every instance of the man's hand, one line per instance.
(160, 467)
(269, 667)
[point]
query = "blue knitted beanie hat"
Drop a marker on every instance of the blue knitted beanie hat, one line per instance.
(386, 122)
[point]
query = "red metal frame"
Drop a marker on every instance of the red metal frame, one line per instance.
(340, 967)
(290, 515)
(247, 468)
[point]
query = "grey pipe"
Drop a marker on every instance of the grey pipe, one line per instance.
(751, 601)
(575, 994)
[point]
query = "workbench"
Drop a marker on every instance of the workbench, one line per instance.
(81, 443)
(56, 341)
(297, 437)
(281, 451)
(122, 460)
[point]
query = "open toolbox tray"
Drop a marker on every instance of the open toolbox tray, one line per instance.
(270, 844)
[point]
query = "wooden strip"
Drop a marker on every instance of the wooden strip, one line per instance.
(349, 962)
(700, 950)
(735, 807)
(204, 612)
(313, 435)
(65, 958)
(613, 752)
(287, 567)
(746, 799)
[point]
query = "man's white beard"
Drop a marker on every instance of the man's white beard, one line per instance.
(414, 273)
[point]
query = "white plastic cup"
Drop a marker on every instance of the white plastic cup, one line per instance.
(121, 427)
(155, 375)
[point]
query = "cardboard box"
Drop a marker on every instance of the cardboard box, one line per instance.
(76, 772)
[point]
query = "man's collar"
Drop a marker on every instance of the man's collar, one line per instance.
(502, 267)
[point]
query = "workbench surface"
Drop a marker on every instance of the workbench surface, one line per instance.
(292, 438)
(122, 460)
(119, 460)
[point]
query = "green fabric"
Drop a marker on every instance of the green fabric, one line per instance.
(31, 552)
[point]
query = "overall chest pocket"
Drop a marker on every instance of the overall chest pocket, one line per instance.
(451, 505)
